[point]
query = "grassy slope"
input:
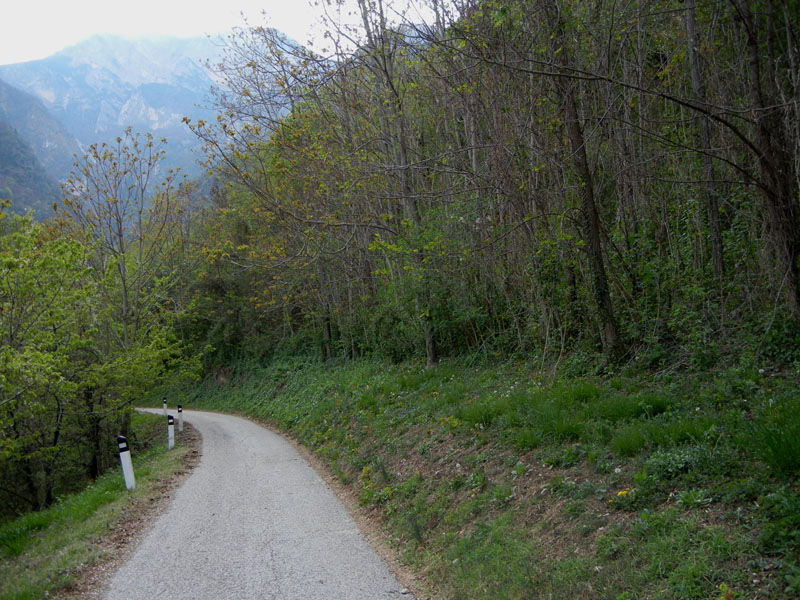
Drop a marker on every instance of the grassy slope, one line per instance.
(497, 484)
(41, 552)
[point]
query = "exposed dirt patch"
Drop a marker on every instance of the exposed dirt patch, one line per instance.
(117, 545)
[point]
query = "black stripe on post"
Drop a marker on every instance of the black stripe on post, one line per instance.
(170, 420)
(122, 442)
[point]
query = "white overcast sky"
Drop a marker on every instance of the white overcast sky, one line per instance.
(32, 29)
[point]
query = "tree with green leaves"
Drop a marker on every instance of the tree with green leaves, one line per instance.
(43, 305)
(88, 309)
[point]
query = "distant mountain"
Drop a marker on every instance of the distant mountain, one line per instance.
(23, 180)
(104, 84)
(52, 144)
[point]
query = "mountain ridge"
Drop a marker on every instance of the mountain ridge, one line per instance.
(99, 87)
(47, 137)
(23, 180)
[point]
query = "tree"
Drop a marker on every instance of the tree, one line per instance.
(43, 295)
(531, 176)
(117, 203)
(120, 205)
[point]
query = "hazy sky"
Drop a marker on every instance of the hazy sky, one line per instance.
(31, 29)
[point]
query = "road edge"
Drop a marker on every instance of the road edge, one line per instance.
(119, 543)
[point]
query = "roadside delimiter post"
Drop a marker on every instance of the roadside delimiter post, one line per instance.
(180, 418)
(164, 405)
(170, 432)
(127, 465)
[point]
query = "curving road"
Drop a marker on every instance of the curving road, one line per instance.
(252, 521)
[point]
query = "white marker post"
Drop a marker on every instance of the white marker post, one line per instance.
(127, 465)
(164, 405)
(180, 419)
(170, 432)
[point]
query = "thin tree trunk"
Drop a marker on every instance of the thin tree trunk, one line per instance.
(712, 199)
(776, 169)
(594, 249)
(327, 351)
(591, 217)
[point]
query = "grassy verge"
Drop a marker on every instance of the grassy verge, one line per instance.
(42, 552)
(496, 483)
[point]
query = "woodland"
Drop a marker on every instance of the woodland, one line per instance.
(557, 181)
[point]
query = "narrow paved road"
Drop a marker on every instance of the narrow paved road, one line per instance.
(252, 521)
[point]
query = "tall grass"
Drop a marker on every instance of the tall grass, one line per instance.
(775, 435)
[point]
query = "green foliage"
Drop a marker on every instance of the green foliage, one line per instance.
(492, 548)
(563, 456)
(630, 441)
(694, 498)
(672, 463)
(401, 206)
(658, 551)
(480, 414)
(781, 513)
(86, 323)
(526, 439)
(661, 432)
(631, 406)
(781, 341)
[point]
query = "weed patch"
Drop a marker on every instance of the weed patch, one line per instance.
(476, 559)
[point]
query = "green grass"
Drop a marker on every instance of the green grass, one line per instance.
(666, 554)
(40, 552)
(498, 483)
(474, 560)
(775, 434)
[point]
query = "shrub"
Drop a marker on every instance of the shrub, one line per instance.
(781, 513)
(618, 408)
(667, 464)
(563, 456)
(679, 431)
(646, 491)
(482, 413)
(493, 547)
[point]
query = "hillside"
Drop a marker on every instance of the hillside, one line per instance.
(52, 144)
(501, 481)
(23, 179)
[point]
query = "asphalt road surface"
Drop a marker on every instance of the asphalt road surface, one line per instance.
(252, 521)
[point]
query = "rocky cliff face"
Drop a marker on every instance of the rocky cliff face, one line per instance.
(107, 83)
